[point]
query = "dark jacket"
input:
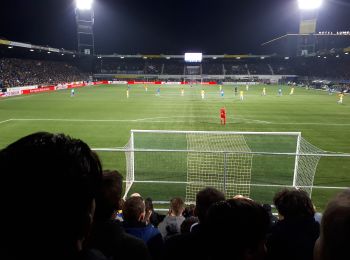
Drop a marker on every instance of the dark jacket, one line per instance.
(110, 238)
(293, 239)
(149, 234)
(193, 245)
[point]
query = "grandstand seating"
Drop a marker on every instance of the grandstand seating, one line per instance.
(21, 72)
(329, 68)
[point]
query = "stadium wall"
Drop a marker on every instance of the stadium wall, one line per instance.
(39, 89)
(181, 78)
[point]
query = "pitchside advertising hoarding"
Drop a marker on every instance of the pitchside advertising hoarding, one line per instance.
(16, 91)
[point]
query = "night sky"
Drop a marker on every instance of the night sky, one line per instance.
(165, 26)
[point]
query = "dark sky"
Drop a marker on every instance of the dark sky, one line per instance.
(165, 26)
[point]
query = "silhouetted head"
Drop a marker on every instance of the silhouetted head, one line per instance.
(48, 185)
(333, 242)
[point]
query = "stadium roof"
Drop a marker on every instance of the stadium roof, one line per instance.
(11, 44)
(304, 34)
(60, 51)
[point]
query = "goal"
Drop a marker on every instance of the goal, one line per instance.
(233, 162)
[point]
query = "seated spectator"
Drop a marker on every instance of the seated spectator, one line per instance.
(193, 243)
(134, 224)
(26, 72)
(171, 225)
(236, 229)
(108, 234)
(318, 217)
(151, 216)
(333, 242)
(189, 211)
(48, 188)
(294, 235)
(273, 219)
(187, 224)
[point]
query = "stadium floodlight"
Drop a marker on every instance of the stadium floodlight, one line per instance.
(309, 4)
(84, 4)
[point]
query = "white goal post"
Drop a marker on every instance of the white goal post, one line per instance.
(227, 161)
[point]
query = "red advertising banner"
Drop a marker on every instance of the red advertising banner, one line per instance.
(38, 90)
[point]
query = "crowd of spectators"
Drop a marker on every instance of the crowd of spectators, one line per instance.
(65, 206)
(329, 67)
(22, 72)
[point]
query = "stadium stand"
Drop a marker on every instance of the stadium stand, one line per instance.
(313, 67)
(19, 67)
(20, 72)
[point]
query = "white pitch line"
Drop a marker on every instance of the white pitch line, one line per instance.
(296, 123)
(159, 120)
(8, 120)
(152, 119)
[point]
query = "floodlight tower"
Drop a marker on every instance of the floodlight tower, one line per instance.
(307, 27)
(84, 16)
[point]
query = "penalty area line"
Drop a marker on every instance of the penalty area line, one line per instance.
(175, 119)
(5, 121)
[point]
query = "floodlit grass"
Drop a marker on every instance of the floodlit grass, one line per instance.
(102, 116)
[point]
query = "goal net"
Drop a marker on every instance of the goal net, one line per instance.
(180, 163)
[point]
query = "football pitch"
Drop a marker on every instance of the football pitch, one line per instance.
(103, 116)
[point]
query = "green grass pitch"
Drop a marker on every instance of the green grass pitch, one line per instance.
(102, 116)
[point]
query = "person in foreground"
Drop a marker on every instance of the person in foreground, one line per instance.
(236, 229)
(107, 234)
(333, 242)
(47, 189)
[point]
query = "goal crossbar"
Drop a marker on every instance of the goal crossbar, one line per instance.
(121, 149)
(225, 160)
(214, 132)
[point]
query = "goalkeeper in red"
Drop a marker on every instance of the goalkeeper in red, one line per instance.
(223, 116)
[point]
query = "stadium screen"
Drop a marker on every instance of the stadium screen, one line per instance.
(193, 57)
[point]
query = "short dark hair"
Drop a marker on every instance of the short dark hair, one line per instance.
(204, 199)
(293, 204)
(148, 204)
(335, 228)
(109, 195)
(48, 185)
(177, 205)
(132, 209)
(236, 227)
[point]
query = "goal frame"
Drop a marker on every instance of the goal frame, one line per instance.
(131, 149)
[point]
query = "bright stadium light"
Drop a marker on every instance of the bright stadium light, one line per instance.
(309, 4)
(84, 4)
(193, 57)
